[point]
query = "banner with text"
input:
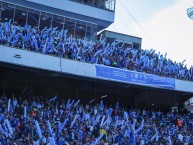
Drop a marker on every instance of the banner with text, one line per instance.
(133, 77)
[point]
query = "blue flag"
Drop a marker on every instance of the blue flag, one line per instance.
(53, 99)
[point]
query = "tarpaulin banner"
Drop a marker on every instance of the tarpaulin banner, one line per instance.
(133, 77)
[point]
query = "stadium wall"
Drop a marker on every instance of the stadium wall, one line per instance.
(78, 8)
(51, 63)
(45, 62)
(185, 86)
(71, 9)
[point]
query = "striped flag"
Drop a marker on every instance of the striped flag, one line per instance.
(53, 99)
(39, 131)
(76, 103)
(9, 104)
(9, 126)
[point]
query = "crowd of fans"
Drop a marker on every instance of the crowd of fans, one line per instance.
(58, 42)
(42, 121)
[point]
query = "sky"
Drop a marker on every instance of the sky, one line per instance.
(162, 24)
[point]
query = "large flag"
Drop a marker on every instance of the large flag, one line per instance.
(98, 139)
(8, 107)
(76, 116)
(25, 112)
(9, 126)
(1, 129)
(190, 13)
(53, 99)
(52, 141)
(49, 127)
(101, 105)
(76, 103)
(38, 129)
(61, 126)
(67, 105)
(102, 121)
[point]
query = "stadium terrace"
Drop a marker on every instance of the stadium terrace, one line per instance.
(61, 84)
(57, 42)
(37, 120)
(47, 30)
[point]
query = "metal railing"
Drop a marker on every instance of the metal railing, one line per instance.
(103, 4)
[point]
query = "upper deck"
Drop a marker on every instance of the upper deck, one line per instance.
(100, 12)
(102, 4)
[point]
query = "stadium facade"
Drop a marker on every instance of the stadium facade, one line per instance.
(81, 18)
(74, 78)
(127, 40)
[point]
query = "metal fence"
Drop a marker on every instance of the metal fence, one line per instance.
(20, 16)
(103, 4)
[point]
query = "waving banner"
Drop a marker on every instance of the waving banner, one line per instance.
(133, 77)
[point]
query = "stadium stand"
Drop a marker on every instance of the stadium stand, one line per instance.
(39, 120)
(56, 41)
(129, 113)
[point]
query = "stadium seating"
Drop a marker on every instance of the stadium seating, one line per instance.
(37, 120)
(57, 42)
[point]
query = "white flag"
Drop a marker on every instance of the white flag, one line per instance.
(76, 103)
(49, 127)
(38, 129)
(52, 141)
(8, 107)
(102, 120)
(9, 126)
(25, 114)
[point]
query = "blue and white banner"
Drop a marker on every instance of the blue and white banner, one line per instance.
(9, 104)
(39, 131)
(127, 76)
(9, 126)
(25, 112)
(52, 141)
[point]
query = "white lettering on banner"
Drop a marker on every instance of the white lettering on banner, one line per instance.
(119, 74)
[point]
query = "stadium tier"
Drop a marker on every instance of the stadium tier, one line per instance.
(23, 26)
(80, 17)
(132, 42)
(54, 41)
(55, 121)
(61, 85)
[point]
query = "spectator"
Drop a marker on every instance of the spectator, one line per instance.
(56, 42)
(73, 123)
